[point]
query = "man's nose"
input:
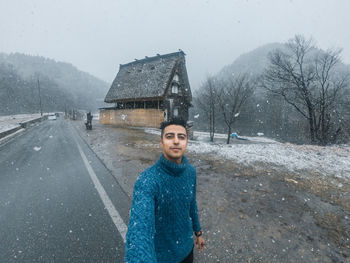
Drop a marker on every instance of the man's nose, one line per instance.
(176, 140)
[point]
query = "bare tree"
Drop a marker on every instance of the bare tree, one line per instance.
(206, 101)
(331, 85)
(306, 78)
(232, 95)
(343, 115)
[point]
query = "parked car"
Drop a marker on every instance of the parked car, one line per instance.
(52, 117)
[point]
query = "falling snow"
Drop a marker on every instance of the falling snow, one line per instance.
(330, 160)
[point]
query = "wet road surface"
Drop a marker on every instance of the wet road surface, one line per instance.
(51, 209)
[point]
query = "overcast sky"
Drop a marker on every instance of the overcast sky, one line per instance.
(97, 36)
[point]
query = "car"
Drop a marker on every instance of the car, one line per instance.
(52, 117)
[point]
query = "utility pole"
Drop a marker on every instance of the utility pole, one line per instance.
(41, 110)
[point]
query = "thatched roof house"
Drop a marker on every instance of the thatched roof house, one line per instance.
(147, 91)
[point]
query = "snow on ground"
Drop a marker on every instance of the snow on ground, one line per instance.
(205, 136)
(330, 160)
(37, 148)
(153, 131)
(12, 121)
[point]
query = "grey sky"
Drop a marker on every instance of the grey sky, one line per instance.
(97, 36)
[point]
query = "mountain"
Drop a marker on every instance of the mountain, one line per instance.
(62, 85)
(255, 61)
(268, 113)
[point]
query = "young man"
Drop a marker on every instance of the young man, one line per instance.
(164, 215)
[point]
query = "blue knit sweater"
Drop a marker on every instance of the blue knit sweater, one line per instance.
(164, 213)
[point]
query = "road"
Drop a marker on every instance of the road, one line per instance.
(58, 202)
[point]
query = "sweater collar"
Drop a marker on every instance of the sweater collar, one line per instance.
(172, 168)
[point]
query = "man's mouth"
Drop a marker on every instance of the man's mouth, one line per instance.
(176, 149)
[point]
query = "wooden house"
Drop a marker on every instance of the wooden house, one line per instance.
(148, 91)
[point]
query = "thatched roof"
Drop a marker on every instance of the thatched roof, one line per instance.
(148, 78)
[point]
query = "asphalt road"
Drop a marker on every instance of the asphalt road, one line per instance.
(51, 209)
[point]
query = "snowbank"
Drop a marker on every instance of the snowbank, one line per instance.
(205, 135)
(12, 121)
(330, 160)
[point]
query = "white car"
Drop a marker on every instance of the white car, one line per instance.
(52, 117)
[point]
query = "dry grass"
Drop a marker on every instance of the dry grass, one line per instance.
(333, 225)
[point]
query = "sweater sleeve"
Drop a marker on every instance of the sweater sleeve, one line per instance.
(194, 210)
(139, 245)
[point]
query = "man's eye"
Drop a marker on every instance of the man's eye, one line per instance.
(169, 136)
(182, 137)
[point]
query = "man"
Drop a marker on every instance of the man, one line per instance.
(164, 215)
(88, 123)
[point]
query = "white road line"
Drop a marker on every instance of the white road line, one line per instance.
(117, 220)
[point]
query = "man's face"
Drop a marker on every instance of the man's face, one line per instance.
(174, 142)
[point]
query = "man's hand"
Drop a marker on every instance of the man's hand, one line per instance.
(200, 243)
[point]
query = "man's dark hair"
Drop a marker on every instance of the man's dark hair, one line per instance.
(174, 121)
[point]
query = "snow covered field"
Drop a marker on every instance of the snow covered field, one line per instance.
(330, 160)
(12, 121)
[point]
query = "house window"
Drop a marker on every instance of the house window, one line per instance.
(176, 112)
(174, 89)
(176, 78)
(166, 115)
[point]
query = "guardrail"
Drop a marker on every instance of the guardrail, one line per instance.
(21, 125)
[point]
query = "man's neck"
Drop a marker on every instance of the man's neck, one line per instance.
(177, 161)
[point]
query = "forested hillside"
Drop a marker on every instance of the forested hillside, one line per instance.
(293, 92)
(61, 85)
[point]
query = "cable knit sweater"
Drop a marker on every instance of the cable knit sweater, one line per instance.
(164, 213)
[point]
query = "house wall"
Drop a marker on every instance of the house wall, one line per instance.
(106, 116)
(132, 117)
(180, 100)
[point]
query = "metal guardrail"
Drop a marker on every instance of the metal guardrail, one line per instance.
(22, 125)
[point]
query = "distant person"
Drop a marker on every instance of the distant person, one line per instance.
(89, 121)
(164, 216)
(89, 116)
